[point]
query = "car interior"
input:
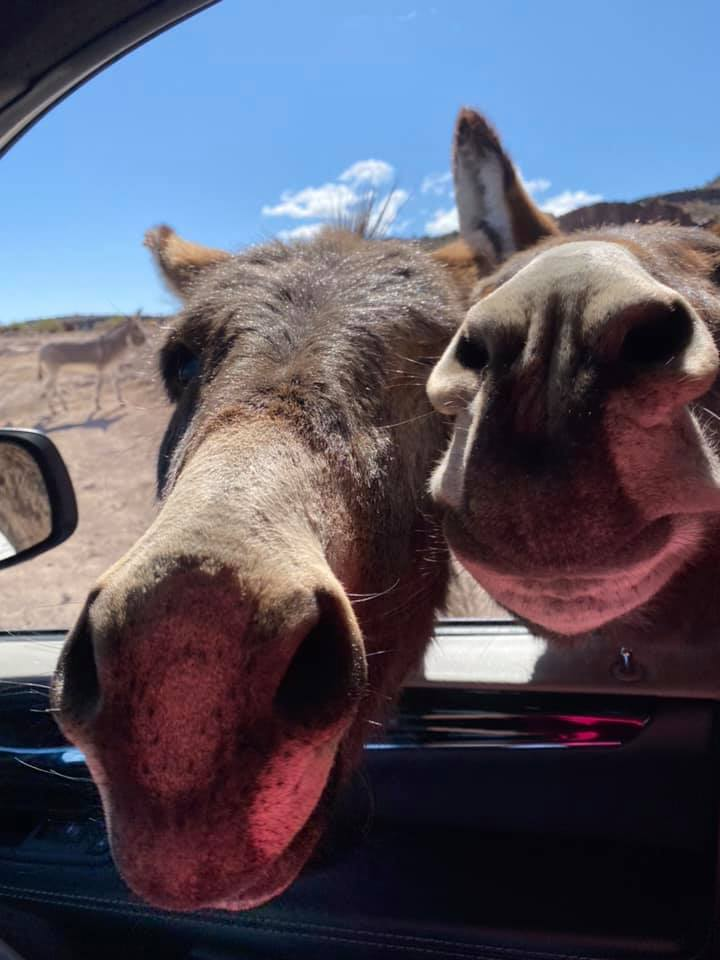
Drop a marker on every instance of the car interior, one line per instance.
(523, 803)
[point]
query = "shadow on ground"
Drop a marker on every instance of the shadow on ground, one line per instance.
(92, 422)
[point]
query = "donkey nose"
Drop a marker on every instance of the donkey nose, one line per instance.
(455, 379)
(326, 673)
(75, 690)
(193, 648)
(658, 346)
(661, 350)
(650, 334)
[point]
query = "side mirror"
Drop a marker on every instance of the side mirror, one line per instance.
(37, 501)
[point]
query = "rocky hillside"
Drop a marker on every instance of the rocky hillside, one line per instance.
(699, 207)
(73, 322)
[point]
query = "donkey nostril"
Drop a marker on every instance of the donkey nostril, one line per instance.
(325, 674)
(656, 334)
(76, 687)
(471, 353)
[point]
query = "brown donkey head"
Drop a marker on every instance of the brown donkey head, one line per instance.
(226, 671)
(582, 484)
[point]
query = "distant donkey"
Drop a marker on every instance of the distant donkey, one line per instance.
(101, 352)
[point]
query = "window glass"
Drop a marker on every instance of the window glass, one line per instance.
(247, 122)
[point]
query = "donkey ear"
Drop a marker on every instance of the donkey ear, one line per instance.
(180, 261)
(497, 217)
(464, 266)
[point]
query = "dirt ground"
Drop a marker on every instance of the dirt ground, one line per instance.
(110, 454)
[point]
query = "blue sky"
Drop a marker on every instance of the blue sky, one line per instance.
(251, 119)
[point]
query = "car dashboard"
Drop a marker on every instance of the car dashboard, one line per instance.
(493, 818)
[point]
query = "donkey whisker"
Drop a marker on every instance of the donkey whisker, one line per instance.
(401, 423)
(356, 598)
(52, 773)
(710, 413)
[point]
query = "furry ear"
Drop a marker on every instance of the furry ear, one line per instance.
(180, 261)
(464, 267)
(497, 217)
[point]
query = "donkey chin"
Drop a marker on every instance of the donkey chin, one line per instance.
(570, 603)
(208, 848)
(224, 863)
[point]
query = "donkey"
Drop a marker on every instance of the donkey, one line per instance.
(102, 352)
(225, 673)
(581, 487)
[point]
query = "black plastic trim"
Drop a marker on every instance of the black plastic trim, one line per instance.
(90, 58)
(59, 487)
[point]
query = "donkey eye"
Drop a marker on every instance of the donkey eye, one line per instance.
(180, 366)
(188, 366)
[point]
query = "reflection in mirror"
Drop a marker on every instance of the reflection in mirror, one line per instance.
(25, 509)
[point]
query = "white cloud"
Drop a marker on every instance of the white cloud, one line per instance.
(562, 202)
(304, 232)
(569, 200)
(440, 184)
(339, 200)
(406, 17)
(437, 183)
(330, 200)
(538, 185)
(373, 172)
(441, 222)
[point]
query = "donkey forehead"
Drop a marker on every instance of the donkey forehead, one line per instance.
(376, 294)
(601, 276)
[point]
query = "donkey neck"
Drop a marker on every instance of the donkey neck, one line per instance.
(118, 334)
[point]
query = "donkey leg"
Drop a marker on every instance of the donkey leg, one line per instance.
(118, 391)
(50, 393)
(98, 388)
(63, 401)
